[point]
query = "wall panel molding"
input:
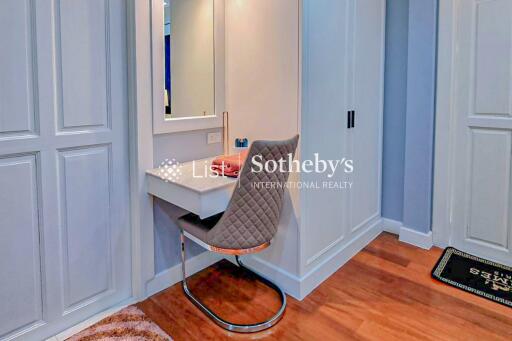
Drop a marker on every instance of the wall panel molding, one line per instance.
(19, 114)
(20, 246)
(85, 192)
(84, 66)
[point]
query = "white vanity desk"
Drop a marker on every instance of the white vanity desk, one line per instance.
(194, 191)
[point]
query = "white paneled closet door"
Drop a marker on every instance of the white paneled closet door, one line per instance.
(342, 72)
(366, 76)
(482, 159)
(65, 233)
(325, 92)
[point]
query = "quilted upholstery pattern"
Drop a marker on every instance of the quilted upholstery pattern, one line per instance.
(252, 216)
(253, 213)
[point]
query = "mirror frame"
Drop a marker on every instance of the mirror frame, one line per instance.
(161, 125)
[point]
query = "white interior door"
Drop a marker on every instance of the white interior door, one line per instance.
(65, 233)
(481, 222)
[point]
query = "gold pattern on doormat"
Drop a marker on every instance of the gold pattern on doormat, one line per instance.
(452, 251)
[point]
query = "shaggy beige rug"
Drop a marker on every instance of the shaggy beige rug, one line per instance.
(129, 324)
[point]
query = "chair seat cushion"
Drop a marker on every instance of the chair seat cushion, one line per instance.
(198, 227)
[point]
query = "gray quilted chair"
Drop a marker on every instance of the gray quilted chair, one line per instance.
(249, 222)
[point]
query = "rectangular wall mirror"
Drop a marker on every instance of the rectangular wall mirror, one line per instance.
(189, 58)
(188, 64)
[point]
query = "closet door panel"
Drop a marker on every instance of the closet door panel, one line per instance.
(83, 71)
(324, 120)
(64, 183)
(17, 113)
(84, 207)
(21, 290)
(366, 145)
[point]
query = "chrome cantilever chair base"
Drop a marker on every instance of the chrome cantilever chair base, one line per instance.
(240, 328)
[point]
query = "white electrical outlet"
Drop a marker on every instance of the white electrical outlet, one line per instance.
(214, 138)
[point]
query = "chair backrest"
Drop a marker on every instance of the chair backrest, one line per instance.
(253, 213)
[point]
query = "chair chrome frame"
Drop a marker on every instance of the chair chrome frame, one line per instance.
(240, 328)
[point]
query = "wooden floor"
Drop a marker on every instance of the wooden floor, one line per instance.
(383, 293)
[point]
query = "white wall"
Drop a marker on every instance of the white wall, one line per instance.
(262, 94)
(262, 98)
(185, 146)
(262, 82)
(192, 58)
(262, 68)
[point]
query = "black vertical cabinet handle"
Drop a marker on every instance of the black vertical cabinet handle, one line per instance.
(353, 119)
(349, 122)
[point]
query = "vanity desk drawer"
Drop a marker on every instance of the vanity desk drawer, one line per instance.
(192, 189)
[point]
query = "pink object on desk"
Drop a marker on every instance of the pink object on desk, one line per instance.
(229, 165)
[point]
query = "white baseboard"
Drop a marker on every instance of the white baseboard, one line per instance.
(335, 261)
(297, 287)
(300, 287)
(419, 239)
(391, 226)
(173, 275)
(161, 282)
(287, 281)
(90, 321)
(408, 235)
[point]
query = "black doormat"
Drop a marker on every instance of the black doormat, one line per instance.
(475, 275)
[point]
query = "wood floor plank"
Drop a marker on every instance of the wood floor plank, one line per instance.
(406, 309)
(384, 293)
